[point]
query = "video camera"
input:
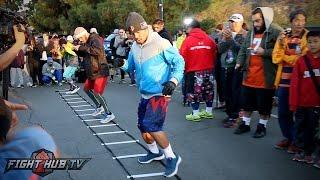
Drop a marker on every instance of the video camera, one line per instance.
(8, 19)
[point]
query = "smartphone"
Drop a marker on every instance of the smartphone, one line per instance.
(226, 25)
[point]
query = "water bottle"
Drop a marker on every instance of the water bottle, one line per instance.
(229, 57)
(298, 49)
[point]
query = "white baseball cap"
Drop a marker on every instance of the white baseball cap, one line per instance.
(93, 30)
(70, 38)
(236, 18)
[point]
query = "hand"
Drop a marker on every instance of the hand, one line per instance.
(259, 51)
(237, 66)
(76, 47)
(282, 38)
(168, 88)
(53, 78)
(227, 34)
(14, 107)
(121, 62)
(19, 34)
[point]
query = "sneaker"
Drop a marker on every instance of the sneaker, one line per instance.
(122, 81)
(20, 86)
(34, 86)
(98, 111)
(205, 114)
(260, 131)
(231, 123)
(283, 144)
(11, 87)
(109, 118)
(292, 149)
(172, 165)
(301, 157)
(131, 85)
(191, 117)
(29, 84)
(60, 84)
(317, 164)
(242, 128)
(150, 157)
(73, 90)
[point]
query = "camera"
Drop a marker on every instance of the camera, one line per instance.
(8, 19)
(288, 32)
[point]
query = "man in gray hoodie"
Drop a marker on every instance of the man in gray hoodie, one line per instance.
(255, 59)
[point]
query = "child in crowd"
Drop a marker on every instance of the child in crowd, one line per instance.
(305, 97)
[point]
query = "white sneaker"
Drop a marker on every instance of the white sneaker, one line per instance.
(109, 118)
(98, 111)
(29, 84)
(75, 90)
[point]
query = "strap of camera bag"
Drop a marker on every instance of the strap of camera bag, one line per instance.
(313, 77)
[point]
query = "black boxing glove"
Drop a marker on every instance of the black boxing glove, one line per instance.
(168, 88)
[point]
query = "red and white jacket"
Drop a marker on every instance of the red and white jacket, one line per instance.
(199, 51)
(303, 92)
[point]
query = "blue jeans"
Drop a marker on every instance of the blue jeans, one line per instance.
(285, 116)
(57, 74)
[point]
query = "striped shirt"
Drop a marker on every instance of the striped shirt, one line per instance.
(293, 42)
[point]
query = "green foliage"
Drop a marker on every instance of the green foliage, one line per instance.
(64, 15)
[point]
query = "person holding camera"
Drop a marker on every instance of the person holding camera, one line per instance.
(7, 57)
(290, 46)
(233, 35)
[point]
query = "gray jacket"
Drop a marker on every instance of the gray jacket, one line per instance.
(49, 70)
(234, 45)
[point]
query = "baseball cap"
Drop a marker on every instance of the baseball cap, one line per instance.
(236, 18)
(93, 30)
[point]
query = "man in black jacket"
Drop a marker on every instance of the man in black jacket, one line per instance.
(158, 26)
(97, 70)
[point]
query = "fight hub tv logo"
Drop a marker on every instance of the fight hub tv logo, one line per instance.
(43, 162)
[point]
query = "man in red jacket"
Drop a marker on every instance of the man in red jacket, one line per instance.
(304, 96)
(199, 52)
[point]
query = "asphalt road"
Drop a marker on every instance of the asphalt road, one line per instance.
(208, 150)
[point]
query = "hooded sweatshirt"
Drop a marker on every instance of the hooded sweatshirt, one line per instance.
(199, 51)
(268, 41)
(154, 62)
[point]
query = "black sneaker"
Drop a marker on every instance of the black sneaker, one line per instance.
(260, 132)
(242, 128)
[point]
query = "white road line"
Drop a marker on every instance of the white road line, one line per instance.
(88, 120)
(129, 156)
(145, 175)
(81, 105)
(70, 95)
(82, 115)
(102, 125)
(72, 99)
(120, 142)
(81, 110)
(106, 133)
(74, 102)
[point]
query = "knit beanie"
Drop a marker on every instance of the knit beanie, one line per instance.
(135, 22)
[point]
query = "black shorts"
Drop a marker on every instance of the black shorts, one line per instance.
(257, 99)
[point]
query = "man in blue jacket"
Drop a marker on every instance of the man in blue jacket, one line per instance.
(158, 67)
